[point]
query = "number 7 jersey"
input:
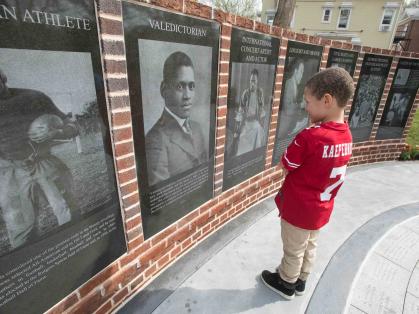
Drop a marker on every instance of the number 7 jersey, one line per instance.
(316, 161)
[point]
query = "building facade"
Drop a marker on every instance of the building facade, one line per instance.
(365, 22)
(407, 33)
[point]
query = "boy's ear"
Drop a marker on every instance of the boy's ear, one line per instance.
(328, 99)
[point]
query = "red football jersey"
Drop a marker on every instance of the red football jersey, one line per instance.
(316, 160)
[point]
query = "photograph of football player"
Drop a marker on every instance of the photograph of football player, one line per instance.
(53, 163)
(30, 176)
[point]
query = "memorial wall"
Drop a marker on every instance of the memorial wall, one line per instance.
(131, 131)
(60, 218)
(172, 73)
(253, 60)
(302, 62)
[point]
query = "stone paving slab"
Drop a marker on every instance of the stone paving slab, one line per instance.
(344, 266)
(389, 277)
(398, 247)
(411, 305)
(413, 287)
(381, 288)
(353, 310)
(165, 284)
(228, 282)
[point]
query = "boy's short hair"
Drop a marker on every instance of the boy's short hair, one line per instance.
(334, 81)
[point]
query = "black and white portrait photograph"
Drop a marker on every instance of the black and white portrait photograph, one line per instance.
(293, 115)
(303, 61)
(251, 95)
(172, 74)
(397, 112)
(343, 59)
(400, 100)
(53, 167)
(368, 93)
(253, 61)
(57, 176)
(402, 77)
(176, 81)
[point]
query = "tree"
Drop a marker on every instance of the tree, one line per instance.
(246, 8)
(88, 120)
(284, 12)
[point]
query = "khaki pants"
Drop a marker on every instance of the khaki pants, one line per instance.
(299, 252)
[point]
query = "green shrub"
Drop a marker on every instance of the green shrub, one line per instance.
(414, 153)
(413, 136)
(405, 155)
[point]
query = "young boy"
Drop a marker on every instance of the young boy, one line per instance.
(315, 163)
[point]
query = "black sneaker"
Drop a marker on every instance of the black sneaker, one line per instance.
(300, 287)
(274, 282)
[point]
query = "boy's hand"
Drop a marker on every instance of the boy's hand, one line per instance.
(281, 167)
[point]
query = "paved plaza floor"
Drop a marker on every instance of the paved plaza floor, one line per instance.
(367, 258)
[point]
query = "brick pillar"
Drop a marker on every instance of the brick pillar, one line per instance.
(384, 97)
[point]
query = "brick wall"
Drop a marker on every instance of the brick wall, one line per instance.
(146, 259)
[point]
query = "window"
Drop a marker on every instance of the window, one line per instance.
(387, 20)
(327, 15)
(344, 15)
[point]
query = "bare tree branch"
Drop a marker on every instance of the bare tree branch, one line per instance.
(245, 8)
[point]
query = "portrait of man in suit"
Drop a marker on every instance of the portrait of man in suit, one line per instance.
(175, 143)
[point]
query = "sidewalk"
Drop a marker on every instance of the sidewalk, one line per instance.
(367, 256)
